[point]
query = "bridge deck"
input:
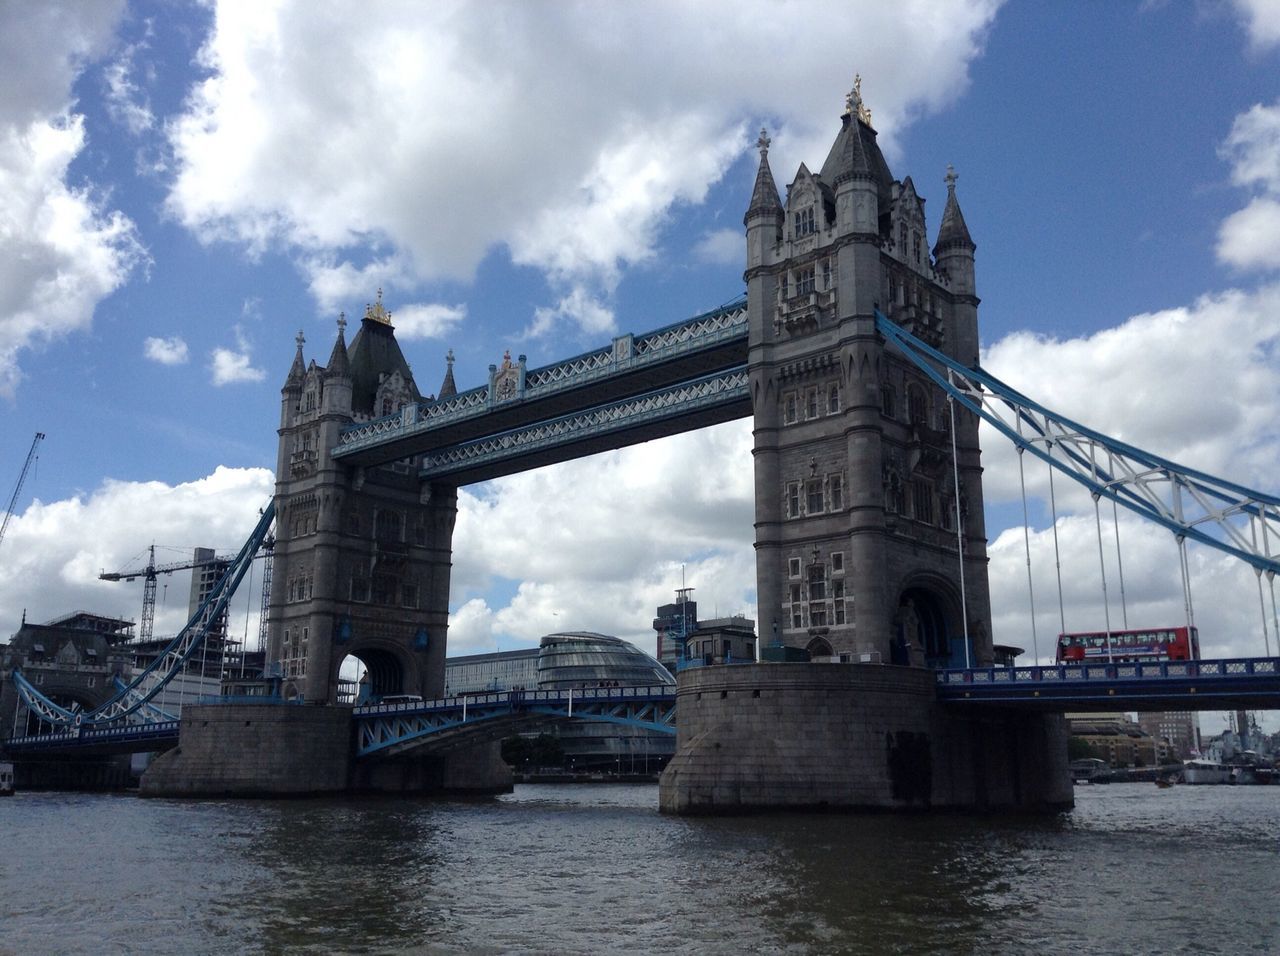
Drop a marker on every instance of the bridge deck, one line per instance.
(1252, 683)
(133, 738)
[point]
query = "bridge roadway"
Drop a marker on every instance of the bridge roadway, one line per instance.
(663, 363)
(385, 730)
(1240, 683)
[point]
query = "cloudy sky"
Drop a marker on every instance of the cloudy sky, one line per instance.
(184, 186)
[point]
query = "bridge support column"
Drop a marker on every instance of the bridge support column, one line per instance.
(852, 736)
(269, 750)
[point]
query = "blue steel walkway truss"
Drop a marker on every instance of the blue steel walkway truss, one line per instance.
(386, 730)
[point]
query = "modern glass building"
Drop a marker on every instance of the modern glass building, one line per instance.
(577, 659)
(499, 670)
(587, 659)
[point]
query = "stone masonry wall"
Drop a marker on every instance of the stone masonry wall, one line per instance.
(255, 749)
(852, 736)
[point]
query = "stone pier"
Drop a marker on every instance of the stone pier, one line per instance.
(851, 737)
(274, 750)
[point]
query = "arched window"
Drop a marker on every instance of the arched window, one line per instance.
(818, 647)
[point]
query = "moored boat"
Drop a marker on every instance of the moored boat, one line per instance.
(1205, 771)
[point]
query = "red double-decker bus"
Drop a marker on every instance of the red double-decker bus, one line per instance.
(1145, 644)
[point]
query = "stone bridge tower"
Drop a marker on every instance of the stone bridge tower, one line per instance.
(363, 555)
(857, 552)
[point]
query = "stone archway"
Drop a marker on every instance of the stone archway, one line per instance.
(820, 649)
(927, 629)
(374, 673)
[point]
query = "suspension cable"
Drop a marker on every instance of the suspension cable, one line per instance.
(1057, 557)
(1271, 585)
(1262, 604)
(1275, 618)
(1186, 581)
(1115, 520)
(955, 471)
(1026, 544)
(1102, 568)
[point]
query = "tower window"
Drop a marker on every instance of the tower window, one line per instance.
(813, 495)
(803, 222)
(915, 246)
(793, 499)
(811, 404)
(837, 562)
(804, 281)
(836, 483)
(826, 274)
(817, 583)
(310, 401)
(833, 399)
(793, 567)
(922, 501)
(790, 408)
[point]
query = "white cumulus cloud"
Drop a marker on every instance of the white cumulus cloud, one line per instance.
(66, 544)
(1262, 21)
(722, 246)
(62, 250)
(230, 366)
(426, 320)
(611, 109)
(170, 351)
(1250, 238)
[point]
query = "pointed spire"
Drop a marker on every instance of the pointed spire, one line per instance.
(953, 232)
(299, 367)
(447, 387)
(338, 363)
(764, 198)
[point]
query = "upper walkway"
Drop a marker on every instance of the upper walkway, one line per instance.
(633, 365)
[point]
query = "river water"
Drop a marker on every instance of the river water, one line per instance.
(596, 869)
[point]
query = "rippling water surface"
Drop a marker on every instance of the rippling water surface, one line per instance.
(596, 869)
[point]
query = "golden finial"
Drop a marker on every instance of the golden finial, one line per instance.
(853, 105)
(376, 312)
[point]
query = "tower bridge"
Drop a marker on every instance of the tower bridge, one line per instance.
(856, 355)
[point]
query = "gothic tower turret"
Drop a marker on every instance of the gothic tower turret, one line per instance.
(362, 555)
(856, 547)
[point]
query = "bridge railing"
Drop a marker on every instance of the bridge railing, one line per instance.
(1110, 671)
(87, 734)
(516, 698)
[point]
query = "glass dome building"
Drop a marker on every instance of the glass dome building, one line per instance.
(584, 659)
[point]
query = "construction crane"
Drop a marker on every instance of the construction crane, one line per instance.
(149, 574)
(17, 489)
